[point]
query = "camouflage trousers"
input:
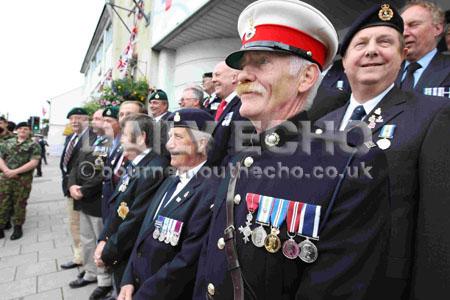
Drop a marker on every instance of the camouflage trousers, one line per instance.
(14, 194)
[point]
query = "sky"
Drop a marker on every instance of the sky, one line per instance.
(43, 46)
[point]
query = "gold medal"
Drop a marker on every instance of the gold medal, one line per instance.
(272, 242)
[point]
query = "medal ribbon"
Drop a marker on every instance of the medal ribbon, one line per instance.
(165, 226)
(172, 224)
(280, 208)
(265, 209)
(159, 222)
(293, 215)
(387, 131)
(309, 221)
(252, 201)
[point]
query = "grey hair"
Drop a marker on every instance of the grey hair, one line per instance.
(435, 10)
(297, 65)
(196, 90)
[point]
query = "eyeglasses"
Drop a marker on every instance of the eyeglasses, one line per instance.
(184, 99)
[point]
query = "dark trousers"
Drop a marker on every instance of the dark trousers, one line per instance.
(39, 168)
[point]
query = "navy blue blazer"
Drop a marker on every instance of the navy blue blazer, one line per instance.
(351, 246)
(419, 171)
(437, 74)
(108, 183)
(159, 270)
(120, 234)
(224, 134)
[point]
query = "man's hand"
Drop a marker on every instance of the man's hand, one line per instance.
(98, 254)
(11, 173)
(126, 292)
(75, 192)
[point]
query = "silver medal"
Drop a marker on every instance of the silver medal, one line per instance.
(308, 251)
(384, 144)
(156, 233)
(246, 230)
(258, 236)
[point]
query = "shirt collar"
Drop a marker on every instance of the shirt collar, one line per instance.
(187, 176)
(160, 116)
(230, 97)
(370, 104)
(425, 60)
(138, 158)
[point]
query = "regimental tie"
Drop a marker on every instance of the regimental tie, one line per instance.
(408, 83)
(69, 150)
(357, 115)
(220, 109)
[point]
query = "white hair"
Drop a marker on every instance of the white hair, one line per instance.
(297, 65)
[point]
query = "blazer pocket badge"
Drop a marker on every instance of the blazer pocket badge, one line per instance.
(123, 210)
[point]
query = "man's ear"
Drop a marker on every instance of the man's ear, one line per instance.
(308, 77)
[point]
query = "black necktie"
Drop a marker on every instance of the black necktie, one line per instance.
(170, 190)
(358, 113)
(408, 83)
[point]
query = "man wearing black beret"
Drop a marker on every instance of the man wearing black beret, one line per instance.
(79, 121)
(164, 259)
(412, 131)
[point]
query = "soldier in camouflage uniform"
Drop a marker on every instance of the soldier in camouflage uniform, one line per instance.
(4, 132)
(18, 158)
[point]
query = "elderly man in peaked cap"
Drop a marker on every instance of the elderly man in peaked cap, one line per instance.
(412, 131)
(280, 230)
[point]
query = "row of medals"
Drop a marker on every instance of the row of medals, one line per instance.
(305, 250)
(166, 237)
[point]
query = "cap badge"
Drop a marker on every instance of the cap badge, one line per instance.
(385, 13)
(177, 117)
(251, 30)
(157, 96)
(108, 112)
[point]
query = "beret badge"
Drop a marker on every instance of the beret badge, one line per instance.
(385, 13)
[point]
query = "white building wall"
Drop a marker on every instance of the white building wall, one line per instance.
(59, 108)
(187, 64)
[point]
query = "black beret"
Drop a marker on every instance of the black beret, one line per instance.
(158, 95)
(384, 15)
(192, 118)
(111, 111)
(3, 119)
(11, 125)
(77, 111)
(23, 124)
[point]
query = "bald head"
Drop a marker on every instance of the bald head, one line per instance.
(224, 79)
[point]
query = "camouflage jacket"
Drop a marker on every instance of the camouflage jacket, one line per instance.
(17, 154)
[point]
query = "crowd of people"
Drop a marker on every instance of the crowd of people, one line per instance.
(288, 174)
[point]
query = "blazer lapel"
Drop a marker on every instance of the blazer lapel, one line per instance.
(389, 108)
(227, 109)
(433, 75)
(184, 195)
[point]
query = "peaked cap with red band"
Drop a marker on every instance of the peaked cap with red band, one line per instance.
(288, 26)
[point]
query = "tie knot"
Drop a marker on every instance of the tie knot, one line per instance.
(412, 67)
(358, 113)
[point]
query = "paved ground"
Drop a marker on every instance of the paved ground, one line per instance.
(29, 267)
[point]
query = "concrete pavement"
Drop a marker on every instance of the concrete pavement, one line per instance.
(29, 267)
